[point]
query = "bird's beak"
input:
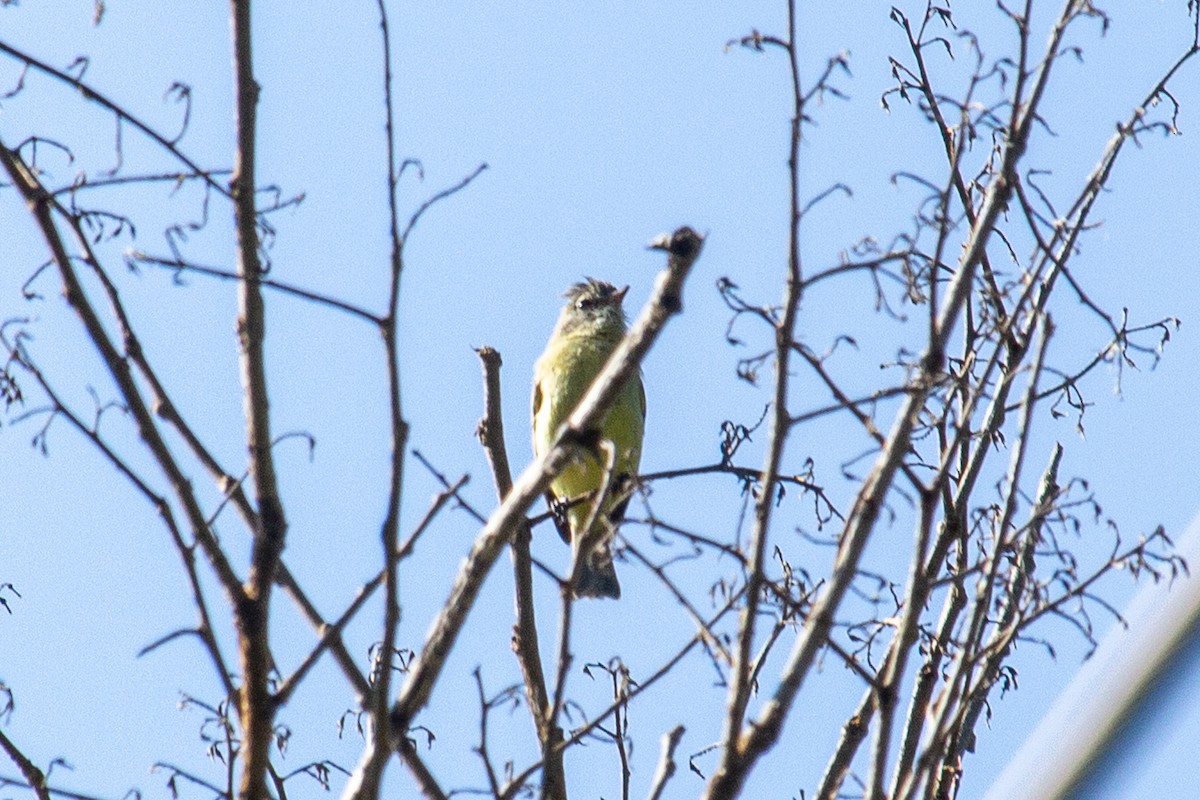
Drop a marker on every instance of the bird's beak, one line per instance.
(620, 295)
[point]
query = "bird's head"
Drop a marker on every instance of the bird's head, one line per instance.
(593, 308)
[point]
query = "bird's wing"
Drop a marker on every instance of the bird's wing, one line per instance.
(537, 406)
(552, 502)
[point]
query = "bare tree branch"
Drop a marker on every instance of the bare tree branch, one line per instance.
(666, 762)
(34, 777)
(525, 635)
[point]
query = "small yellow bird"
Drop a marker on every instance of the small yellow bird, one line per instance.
(590, 327)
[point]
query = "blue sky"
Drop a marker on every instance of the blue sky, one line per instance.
(601, 127)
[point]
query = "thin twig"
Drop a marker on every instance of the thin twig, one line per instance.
(280, 286)
(89, 93)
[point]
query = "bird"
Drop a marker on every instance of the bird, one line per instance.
(590, 326)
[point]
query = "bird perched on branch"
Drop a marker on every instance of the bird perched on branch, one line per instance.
(590, 326)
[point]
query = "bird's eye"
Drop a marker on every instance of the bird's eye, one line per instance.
(584, 303)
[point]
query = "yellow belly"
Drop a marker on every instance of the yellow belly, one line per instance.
(564, 375)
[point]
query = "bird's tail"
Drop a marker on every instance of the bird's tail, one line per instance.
(598, 576)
